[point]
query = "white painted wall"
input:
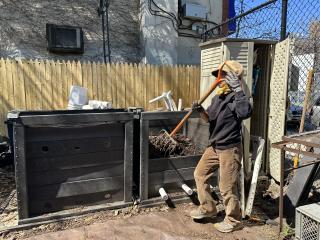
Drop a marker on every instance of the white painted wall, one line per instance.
(159, 38)
(161, 42)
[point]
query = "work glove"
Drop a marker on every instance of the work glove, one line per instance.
(197, 107)
(233, 81)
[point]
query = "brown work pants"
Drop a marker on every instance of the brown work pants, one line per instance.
(229, 161)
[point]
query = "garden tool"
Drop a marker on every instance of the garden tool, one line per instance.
(166, 140)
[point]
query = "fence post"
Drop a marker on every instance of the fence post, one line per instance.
(284, 19)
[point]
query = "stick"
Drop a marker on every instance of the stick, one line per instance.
(203, 98)
(305, 106)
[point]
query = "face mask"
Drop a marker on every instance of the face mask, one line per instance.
(223, 89)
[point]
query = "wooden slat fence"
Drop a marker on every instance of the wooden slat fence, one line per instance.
(45, 85)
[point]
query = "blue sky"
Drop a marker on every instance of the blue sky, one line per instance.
(300, 14)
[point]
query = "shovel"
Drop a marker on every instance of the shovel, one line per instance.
(202, 99)
(166, 141)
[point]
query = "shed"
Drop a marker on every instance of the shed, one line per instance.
(257, 58)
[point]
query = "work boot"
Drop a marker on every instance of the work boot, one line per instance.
(200, 213)
(226, 227)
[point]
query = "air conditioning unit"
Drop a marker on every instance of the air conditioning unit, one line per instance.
(194, 11)
(308, 222)
(64, 39)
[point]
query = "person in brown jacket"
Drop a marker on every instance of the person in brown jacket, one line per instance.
(229, 107)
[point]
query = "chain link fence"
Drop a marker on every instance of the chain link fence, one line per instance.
(303, 27)
(262, 20)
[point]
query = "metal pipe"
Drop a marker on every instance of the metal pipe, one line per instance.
(281, 193)
(108, 30)
(284, 9)
(302, 166)
(102, 12)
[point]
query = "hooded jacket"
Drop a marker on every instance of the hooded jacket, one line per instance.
(226, 114)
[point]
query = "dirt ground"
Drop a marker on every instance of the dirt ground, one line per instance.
(147, 223)
(8, 200)
(142, 223)
(137, 223)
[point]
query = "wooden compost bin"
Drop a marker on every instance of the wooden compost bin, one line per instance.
(158, 172)
(67, 159)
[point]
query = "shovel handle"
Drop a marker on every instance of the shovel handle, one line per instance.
(202, 99)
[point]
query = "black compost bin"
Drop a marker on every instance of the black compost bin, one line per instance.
(158, 172)
(67, 159)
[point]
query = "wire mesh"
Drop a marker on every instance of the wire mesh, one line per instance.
(303, 25)
(263, 23)
(309, 230)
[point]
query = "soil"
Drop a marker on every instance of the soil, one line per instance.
(162, 146)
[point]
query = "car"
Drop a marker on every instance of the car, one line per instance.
(294, 114)
(315, 113)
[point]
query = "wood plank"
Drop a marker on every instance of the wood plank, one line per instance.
(108, 83)
(74, 73)
(192, 87)
(21, 93)
(95, 159)
(74, 132)
(60, 176)
(57, 204)
(122, 85)
(187, 85)
(14, 82)
(84, 69)
(147, 81)
(130, 92)
(56, 84)
(99, 82)
(169, 176)
(153, 83)
(41, 82)
(104, 89)
(156, 84)
(113, 84)
(5, 88)
(162, 164)
(69, 189)
(27, 65)
(117, 84)
(10, 85)
(175, 81)
(72, 147)
(90, 81)
(64, 86)
(126, 82)
(34, 75)
(37, 85)
(78, 74)
(69, 76)
(138, 86)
